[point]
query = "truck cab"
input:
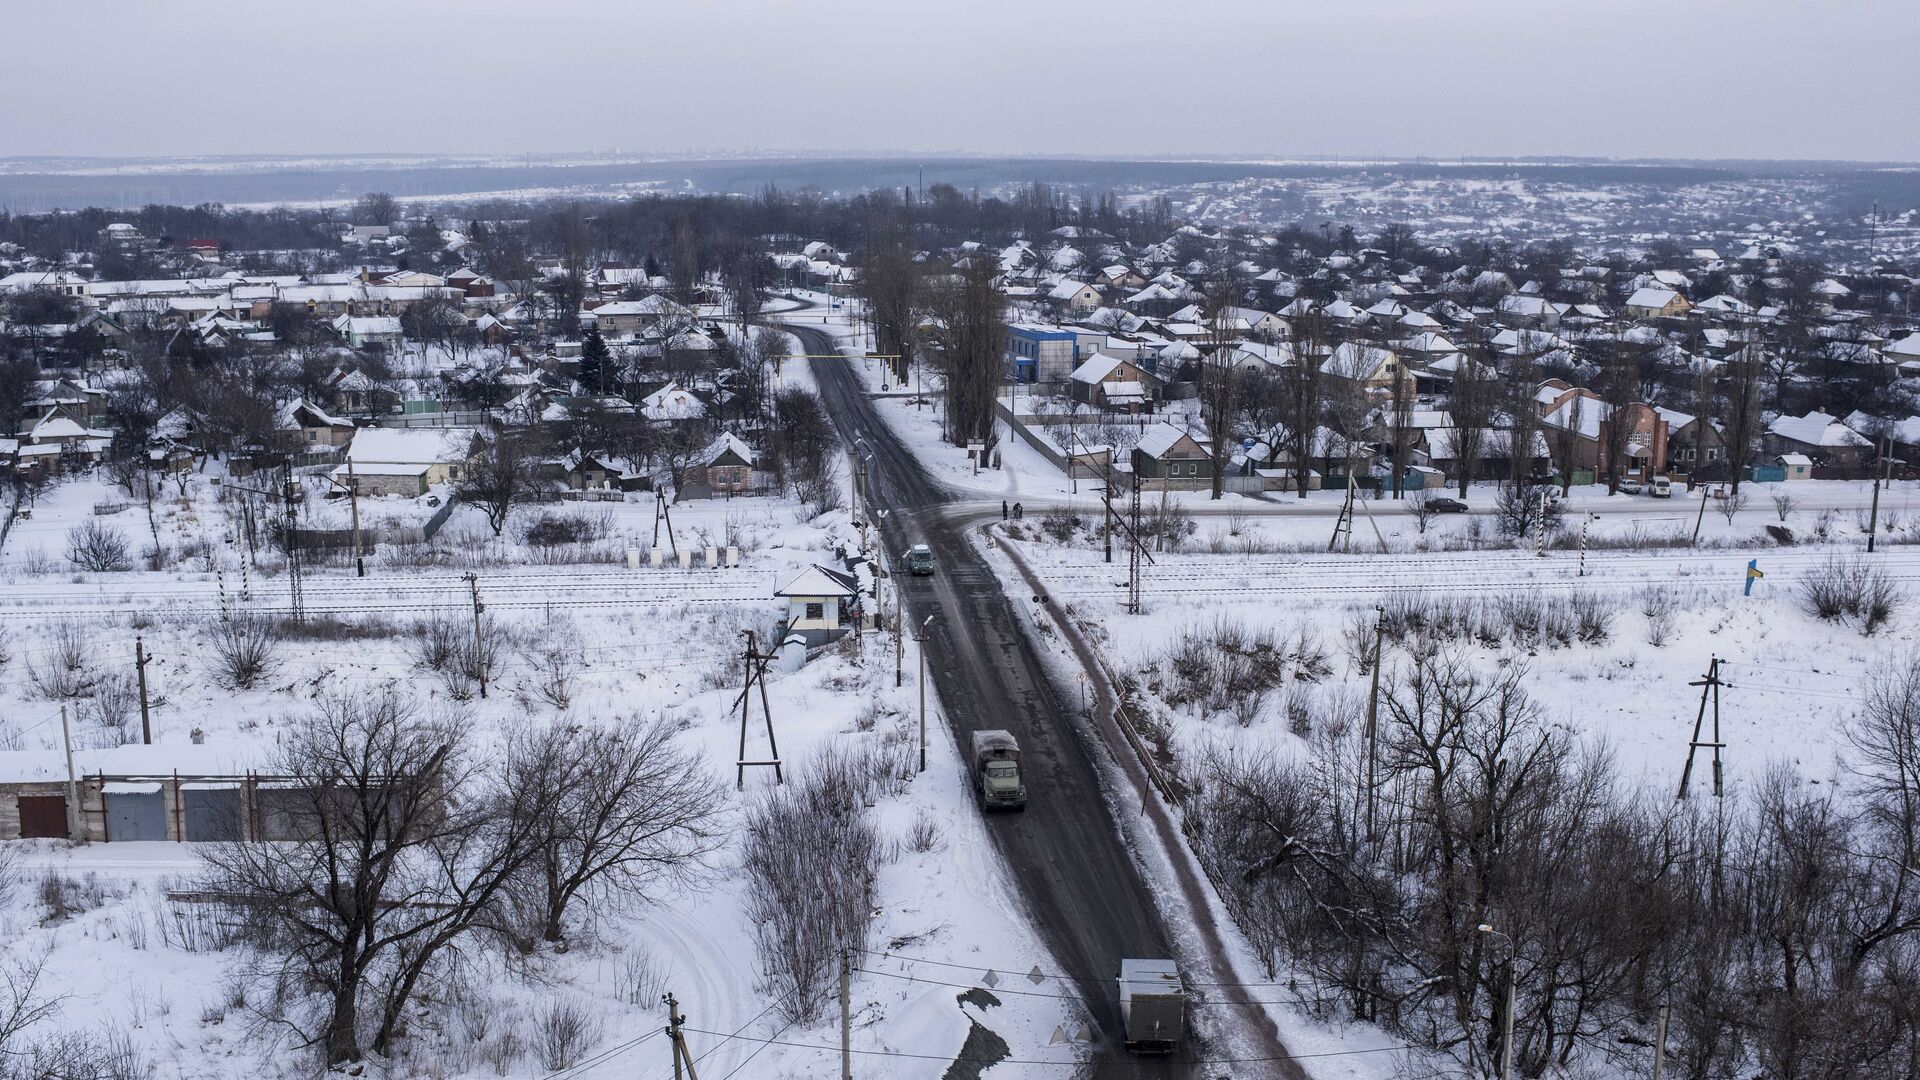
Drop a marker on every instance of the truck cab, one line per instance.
(919, 560)
(997, 783)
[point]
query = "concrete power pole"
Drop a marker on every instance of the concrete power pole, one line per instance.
(846, 1016)
(1660, 1044)
(479, 643)
(73, 782)
(140, 659)
(353, 501)
(678, 1042)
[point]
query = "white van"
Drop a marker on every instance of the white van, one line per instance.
(1661, 487)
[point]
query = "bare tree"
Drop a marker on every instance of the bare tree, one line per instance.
(889, 281)
(622, 810)
(1472, 406)
(499, 478)
(367, 780)
(1740, 409)
(971, 311)
(1219, 377)
(98, 548)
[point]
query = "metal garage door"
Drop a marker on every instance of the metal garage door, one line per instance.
(286, 814)
(43, 817)
(135, 812)
(212, 813)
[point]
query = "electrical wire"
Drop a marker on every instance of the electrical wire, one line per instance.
(983, 1062)
(1061, 997)
(889, 955)
(603, 1056)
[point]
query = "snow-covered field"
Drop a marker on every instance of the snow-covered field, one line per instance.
(649, 641)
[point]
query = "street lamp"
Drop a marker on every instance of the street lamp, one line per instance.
(920, 640)
(1506, 1040)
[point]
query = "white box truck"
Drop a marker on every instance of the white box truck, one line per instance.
(1153, 1005)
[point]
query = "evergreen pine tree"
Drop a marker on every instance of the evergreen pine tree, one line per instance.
(593, 362)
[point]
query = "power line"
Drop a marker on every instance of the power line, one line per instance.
(1068, 978)
(1063, 997)
(574, 1070)
(1069, 1064)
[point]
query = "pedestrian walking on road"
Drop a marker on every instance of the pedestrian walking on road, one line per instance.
(1018, 513)
(1003, 509)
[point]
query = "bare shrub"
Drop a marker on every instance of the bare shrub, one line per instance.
(447, 645)
(114, 706)
(817, 495)
(1593, 616)
(642, 979)
(562, 1032)
(1735, 502)
(809, 855)
(64, 668)
(245, 648)
(1169, 525)
(1225, 668)
(1519, 512)
(554, 656)
(98, 548)
(1059, 525)
(1845, 587)
(1659, 606)
(1420, 505)
(924, 834)
(1783, 505)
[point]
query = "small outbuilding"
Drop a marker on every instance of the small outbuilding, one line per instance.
(822, 604)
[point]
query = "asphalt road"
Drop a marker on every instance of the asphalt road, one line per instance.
(1082, 888)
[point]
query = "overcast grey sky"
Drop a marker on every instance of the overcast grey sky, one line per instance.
(1680, 78)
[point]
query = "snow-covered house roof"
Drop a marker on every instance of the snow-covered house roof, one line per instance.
(672, 403)
(411, 446)
(1816, 429)
(1158, 440)
(819, 580)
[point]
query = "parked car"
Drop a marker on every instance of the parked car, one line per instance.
(1661, 488)
(920, 560)
(1445, 505)
(1631, 487)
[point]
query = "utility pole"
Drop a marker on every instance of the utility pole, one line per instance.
(1660, 1044)
(756, 663)
(1373, 717)
(1873, 516)
(1699, 517)
(846, 1016)
(74, 818)
(1513, 965)
(678, 1042)
(479, 643)
(920, 640)
(353, 501)
(899, 632)
(140, 659)
(1506, 1040)
(296, 593)
(1708, 685)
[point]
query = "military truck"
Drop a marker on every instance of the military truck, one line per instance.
(1153, 1005)
(996, 771)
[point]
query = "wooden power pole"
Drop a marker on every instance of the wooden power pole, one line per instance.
(1708, 685)
(756, 664)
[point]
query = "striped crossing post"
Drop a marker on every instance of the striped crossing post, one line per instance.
(1585, 520)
